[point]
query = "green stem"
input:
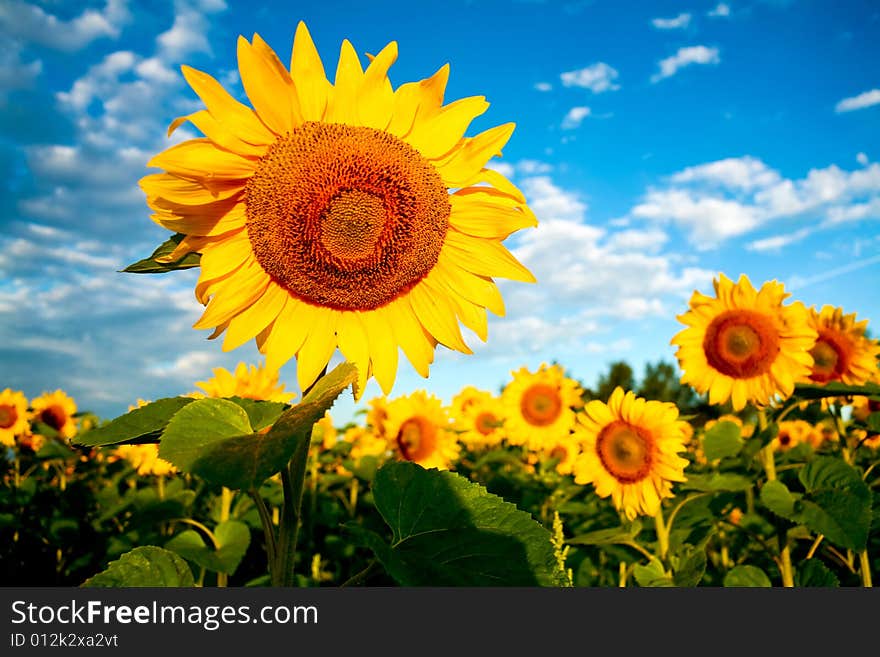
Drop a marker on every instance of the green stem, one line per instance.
(785, 566)
(814, 547)
(662, 535)
(865, 569)
(268, 529)
(225, 508)
(362, 576)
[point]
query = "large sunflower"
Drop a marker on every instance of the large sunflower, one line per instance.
(629, 450)
(56, 410)
(842, 351)
(248, 381)
(13, 416)
(347, 215)
(419, 429)
(539, 405)
(744, 345)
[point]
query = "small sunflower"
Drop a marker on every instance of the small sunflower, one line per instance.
(419, 427)
(364, 443)
(13, 416)
(249, 381)
(863, 406)
(324, 432)
(377, 414)
(145, 459)
(345, 214)
(56, 410)
(822, 433)
(630, 451)
(539, 405)
(791, 433)
(479, 416)
(842, 351)
(564, 451)
(744, 345)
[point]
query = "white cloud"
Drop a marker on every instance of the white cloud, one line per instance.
(597, 78)
(544, 86)
(686, 57)
(15, 73)
(33, 24)
(721, 10)
(506, 169)
(550, 202)
(574, 117)
(862, 159)
(679, 22)
(190, 365)
(735, 172)
(533, 167)
(776, 242)
(863, 100)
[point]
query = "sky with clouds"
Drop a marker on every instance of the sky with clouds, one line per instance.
(658, 143)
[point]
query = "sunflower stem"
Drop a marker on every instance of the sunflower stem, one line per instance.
(662, 535)
(865, 569)
(785, 567)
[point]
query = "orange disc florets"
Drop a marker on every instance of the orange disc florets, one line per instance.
(741, 343)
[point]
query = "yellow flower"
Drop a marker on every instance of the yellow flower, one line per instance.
(629, 450)
(419, 429)
(13, 416)
(324, 216)
(820, 434)
(56, 410)
(377, 414)
(249, 381)
(791, 433)
(538, 406)
(479, 416)
(324, 432)
(862, 407)
(744, 345)
(364, 443)
(746, 430)
(842, 351)
(145, 459)
(565, 451)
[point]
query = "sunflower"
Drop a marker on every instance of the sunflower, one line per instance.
(744, 345)
(862, 406)
(630, 451)
(13, 416)
(419, 428)
(347, 215)
(791, 433)
(538, 406)
(479, 416)
(249, 381)
(842, 351)
(364, 443)
(564, 451)
(324, 432)
(145, 459)
(376, 415)
(56, 410)
(822, 433)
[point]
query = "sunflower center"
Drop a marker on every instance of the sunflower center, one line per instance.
(741, 343)
(417, 438)
(346, 217)
(54, 416)
(830, 357)
(8, 416)
(486, 423)
(559, 452)
(625, 451)
(541, 405)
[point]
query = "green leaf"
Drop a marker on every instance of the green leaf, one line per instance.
(232, 537)
(652, 575)
(213, 438)
(144, 566)
(690, 567)
(152, 266)
(139, 425)
(776, 497)
(261, 413)
(746, 575)
(448, 531)
(723, 439)
(835, 389)
(608, 536)
(813, 572)
(874, 422)
(837, 502)
(717, 482)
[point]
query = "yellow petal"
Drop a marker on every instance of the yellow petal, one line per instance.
(437, 136)
(268, 85)
(375, 102)
(218, 133)
(188, 244)
(482, 219)
(383, 349)
(262, 312)
(187, 192)
(210, 219)
(437, 317)
(341, 107)
(353, 343)
(234, 295)
(411, 336)
(308, 75)
(467, 160)
(222, 256)
(285, 336)
(239, 118)
(201, 160)
(480, 290)
(318, 346)
(410, 97)
(484, 257)
(497, 180)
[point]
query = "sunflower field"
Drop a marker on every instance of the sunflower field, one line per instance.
(355, 217)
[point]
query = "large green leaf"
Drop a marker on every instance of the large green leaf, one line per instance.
(448, 531)
(813, 572)
(723, 439)
(144, 566)
(837, 502)
(835, 389)
(233, 538)
(781, 501)
(214, 438)
(746, 575)
(143, 424)
(689, 566)
(152, 266)
(652, 574)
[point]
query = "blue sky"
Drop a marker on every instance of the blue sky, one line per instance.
(658, 143)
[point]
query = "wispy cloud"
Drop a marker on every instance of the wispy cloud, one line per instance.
(34, 24)
(544, 86)
(721, 10)
(575, 117)
(598, 78)
(863, 100)
(679, 22)
(686, 57)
